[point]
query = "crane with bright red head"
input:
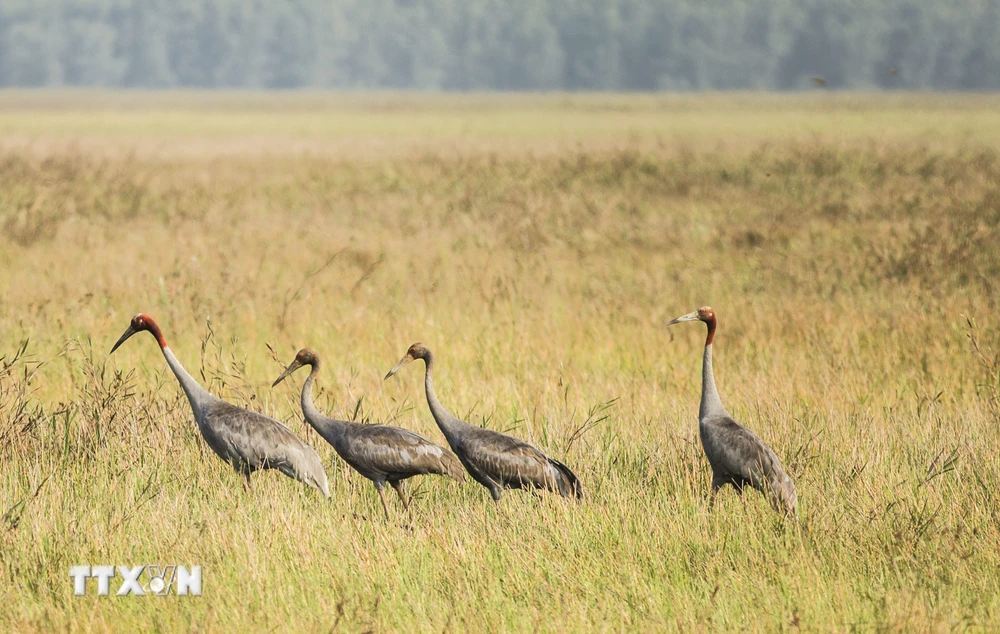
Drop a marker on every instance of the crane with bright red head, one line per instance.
(249, 441)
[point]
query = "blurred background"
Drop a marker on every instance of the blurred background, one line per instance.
(534, 45)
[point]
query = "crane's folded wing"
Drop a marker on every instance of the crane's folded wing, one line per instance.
(396, 450)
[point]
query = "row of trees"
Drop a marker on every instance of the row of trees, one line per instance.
(502, 44)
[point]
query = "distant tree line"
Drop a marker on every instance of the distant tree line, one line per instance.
(633, 45)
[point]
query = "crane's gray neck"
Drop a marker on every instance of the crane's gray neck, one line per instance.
(329, 428)
(711, 404)
(446, 422)
(197, 395)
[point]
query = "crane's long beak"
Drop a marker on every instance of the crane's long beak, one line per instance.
(689, 317)
(128, 333)
(292, 367)
(399, 365)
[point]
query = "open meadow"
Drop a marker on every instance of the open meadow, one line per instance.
(850, 245)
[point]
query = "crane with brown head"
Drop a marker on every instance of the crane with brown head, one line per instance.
(495, 460)
(381, 453)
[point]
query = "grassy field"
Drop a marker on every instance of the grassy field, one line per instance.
(849, 244)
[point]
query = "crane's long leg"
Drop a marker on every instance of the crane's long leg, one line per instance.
(717, 484)
(739, 486)
(246, 482)
(743, 499)
(385, 507)
(398, 485)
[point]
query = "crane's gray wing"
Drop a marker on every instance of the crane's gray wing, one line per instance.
(250, 441)
(398, 452)
(511, 462)
(736, 452)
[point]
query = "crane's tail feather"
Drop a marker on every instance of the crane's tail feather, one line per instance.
(314, 474)
(323, 486)
(453, 466)
(566, 481)
(310, 475)
(783, 495)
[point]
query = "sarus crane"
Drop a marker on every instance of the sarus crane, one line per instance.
(249, 441)
(738, 457)
(494, 460)
(381, 453)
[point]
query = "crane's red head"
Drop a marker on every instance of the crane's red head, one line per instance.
(139, 323)
(416, 351)
(705, 314)
(305, 356)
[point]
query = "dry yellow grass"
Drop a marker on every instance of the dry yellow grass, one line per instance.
(537, 245)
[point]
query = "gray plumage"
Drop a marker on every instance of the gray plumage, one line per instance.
(381, 453)
(247, 440)
(494, 460)
(737, 456)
